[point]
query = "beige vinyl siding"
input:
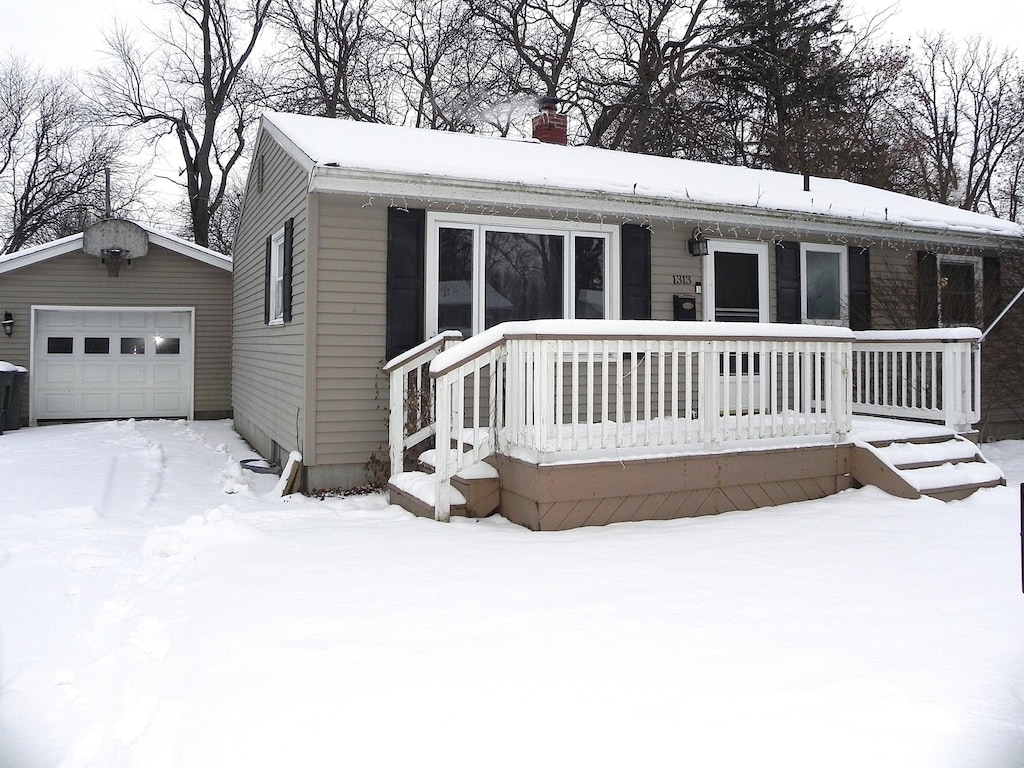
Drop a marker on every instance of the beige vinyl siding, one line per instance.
(670, 257)
(162, 278)
(269, 362)
(893, 287)
(351, 392)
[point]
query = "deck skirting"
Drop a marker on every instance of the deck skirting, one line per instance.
(556, 497)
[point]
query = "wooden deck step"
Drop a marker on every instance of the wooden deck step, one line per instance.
(478, 483)
(476, 489)
(943, 437)
(945, 467)
(414, 492)
(957, 492)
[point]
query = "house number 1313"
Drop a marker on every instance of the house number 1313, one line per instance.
(682, 279)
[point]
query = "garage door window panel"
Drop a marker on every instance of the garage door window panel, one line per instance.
(133, 345)
(60, 345)
(168, 345)
(97, 345)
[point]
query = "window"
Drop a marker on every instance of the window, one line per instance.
(60, 345)
(959, 291)
(482, 271)
(99, 345)
(276, 287)
(167, 345)
(134, 345)
(824, 296)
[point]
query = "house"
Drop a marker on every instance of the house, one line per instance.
(357, 242)
(119, 321)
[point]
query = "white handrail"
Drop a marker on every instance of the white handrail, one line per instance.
(931, 374)
(410, 396)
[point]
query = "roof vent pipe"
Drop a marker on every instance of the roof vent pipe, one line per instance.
(807, 182)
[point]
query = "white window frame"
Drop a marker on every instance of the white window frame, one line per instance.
(276, 297)
(974, 261)
(737, 246)
(482, 224)
(844, 284)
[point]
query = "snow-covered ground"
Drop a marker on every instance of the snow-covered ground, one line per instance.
(159, 608)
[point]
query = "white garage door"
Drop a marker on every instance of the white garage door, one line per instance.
(97, 364)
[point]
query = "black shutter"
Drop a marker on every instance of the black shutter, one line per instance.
(787, 282)
(266, 282)
(636, 272)
(405, 280)
(860, 288)
(927, 290)
(991, 292)
(286, 289)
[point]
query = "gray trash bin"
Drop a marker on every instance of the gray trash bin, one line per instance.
(12, 419)
(6, 386)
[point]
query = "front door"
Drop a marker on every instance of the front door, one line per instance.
(737, 292)
(737, 299)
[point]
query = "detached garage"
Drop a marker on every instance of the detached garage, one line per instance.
(121, 321)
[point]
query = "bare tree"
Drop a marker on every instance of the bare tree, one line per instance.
(965, 113)
(650, 94)
(52, 159)
(444, 67)
(337, 51)
(544, 34)
(195, 81)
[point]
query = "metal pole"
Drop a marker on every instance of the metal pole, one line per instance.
(106, 175)
(1022, 537)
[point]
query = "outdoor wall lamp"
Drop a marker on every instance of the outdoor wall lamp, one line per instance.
(8, 323)
(698, 244)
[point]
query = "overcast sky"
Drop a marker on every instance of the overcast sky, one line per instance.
(68, 33)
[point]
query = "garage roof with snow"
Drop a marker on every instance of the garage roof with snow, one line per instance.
(28, 256)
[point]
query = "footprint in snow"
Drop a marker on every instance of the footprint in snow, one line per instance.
(152, 637)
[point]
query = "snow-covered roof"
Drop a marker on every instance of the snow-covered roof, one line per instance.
(28, 256)
(383, 160)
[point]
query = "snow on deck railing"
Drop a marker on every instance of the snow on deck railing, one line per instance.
(553, 388)
(547, 388)
(932, 374)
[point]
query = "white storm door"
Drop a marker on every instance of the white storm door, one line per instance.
(736, 291)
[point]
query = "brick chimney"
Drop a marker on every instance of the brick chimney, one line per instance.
(549, 126)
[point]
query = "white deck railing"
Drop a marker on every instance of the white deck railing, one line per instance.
(411, 418)
(547, 389)
(931, 375)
